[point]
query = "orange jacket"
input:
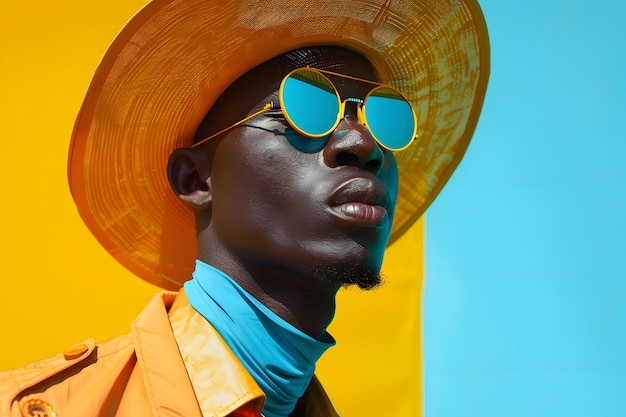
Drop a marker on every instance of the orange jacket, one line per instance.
(156, 370)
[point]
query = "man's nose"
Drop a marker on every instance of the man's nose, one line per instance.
(352, 144)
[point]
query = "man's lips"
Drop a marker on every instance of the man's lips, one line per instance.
(360, 201)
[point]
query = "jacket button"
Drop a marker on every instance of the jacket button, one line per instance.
(38, 408)
(75, 351)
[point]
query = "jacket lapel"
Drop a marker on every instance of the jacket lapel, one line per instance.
(168, 388)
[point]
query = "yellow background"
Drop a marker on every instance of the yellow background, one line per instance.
(59, 286)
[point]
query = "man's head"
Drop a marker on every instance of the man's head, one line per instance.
(264, 193)
(173, 60)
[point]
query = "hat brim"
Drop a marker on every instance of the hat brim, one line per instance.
(175, 57)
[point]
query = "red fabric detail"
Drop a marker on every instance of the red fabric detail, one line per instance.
(248, 410)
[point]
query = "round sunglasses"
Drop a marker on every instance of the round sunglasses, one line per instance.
(313, 107)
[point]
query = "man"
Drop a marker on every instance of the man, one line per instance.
(217, 101)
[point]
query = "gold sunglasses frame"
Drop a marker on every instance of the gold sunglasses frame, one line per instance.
(340, 114)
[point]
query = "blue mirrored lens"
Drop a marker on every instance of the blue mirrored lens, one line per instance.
(389, 118)
(310, 103)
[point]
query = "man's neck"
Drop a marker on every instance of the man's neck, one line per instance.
(309, 308)
(303, 301)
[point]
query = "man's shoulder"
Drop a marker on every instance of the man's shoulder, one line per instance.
(43, 386)
(84, 377)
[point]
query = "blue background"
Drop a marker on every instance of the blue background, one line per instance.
(525, 296)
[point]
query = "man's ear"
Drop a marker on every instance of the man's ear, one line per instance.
(188, 171)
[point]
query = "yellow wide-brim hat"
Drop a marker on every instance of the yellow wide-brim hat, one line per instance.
(174, 58)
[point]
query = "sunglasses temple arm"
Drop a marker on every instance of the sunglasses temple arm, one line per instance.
(266, 108)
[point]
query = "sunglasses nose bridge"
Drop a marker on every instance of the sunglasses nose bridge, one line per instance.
(359, 114)
(352, 107)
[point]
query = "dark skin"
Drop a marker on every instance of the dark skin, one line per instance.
(289, 218)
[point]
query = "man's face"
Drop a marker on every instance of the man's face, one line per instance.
(316, 206)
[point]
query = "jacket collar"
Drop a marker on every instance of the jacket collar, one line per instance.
(167, 385)
(189, 370)
(219, 380)
(168, 365)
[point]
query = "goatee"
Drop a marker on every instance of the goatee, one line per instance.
(346, 275)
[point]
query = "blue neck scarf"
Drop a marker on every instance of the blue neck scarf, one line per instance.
(279, 357)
